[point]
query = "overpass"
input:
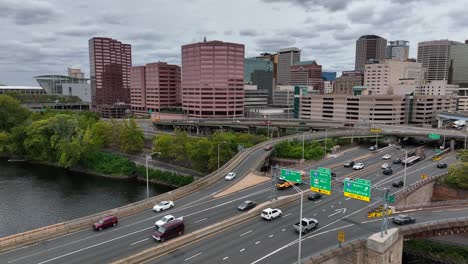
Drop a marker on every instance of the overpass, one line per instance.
(195, 197)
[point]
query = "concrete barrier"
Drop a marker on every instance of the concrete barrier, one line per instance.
(174, 244)
(433, 205)
(412, 188)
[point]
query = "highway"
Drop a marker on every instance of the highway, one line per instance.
(200, 209)
(259, 241)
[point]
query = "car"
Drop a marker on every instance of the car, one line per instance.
(333, 175)
(164, 205)
(169, 230)
(271, 213)
(348, 179)
(230, 176)
(442, 165)
(372, 148)
(282, 184)
(246, 205)
(398, 184)
(411, 153)
(388, 171)
(358, 166)
(349, 164)
(397, 161)
(314, 196)
(268, 148)
(106, 222)
(166, 219)
(404, 219)
(385, 165)
(387, 156)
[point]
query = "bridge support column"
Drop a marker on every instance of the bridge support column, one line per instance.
(452, 145)
(198, 130)
(385, 250)
(439, 123)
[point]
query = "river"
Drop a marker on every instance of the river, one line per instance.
(33, 195)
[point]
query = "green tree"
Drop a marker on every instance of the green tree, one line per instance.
(11, 113)
(4, 141)
(16, 141)
(131, 138)
(100, 134)
(164, 144)
(198, 154)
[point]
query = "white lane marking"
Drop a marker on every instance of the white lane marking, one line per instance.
(134, 243)
(324, 210)
(287, 214)
(283, 229)
(315, 214)
(242, 250)
(337, 211)
(295, 241)
(271, 235)
(339, 202)
(332, 206)
(347, 199)
(375, 220)
(256, 243)
(318, 201)
(196, 255)
(225, 258)
(203, 219)
(246, 233)
(95, 245)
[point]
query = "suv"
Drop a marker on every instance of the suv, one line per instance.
(388, 171)
(270, 214)
(169, 230)
(349, 164)
(105, 222)
(404, 219)
(398, 184)
(442, 165)
(397, 161)
(314, 196)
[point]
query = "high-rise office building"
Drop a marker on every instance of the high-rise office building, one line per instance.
(459, 64)
(274, 59)
(369, 48)
(155, 86)
(256, 64)
(264, 82)
(110, 62)
(307, 73)
(75, 73)
(435, 58)
(348, 79)
(213, 79)
(398, 50)
(287, 58)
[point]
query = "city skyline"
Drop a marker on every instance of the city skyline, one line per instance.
(42, 37)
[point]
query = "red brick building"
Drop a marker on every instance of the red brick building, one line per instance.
(307, 73)
(213, 79)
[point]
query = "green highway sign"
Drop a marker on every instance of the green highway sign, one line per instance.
(437, 150)
(366, 182)
(357, 190)
(391, 199)
(290, 175)
(434, 136)
(325, 170)
(320, 181)
(150, 111)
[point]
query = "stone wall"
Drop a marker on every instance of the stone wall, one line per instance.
(444, 193)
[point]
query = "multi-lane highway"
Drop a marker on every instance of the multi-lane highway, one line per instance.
(200, 209)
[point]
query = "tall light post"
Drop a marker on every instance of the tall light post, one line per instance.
(218, 151)
(325, 142)
(303, 134)
(406, 157)
(148, 157)
(300, 222)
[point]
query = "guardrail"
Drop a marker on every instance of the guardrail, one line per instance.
(34, 236)
(176, 243)
(432, 205)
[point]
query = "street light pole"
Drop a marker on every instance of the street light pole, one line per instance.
(404, 180)
(303, 145)
(325, 142)
(218, 151)
(300, 223)
(147, 157)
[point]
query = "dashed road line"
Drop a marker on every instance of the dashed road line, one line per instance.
(134, 243)
(256, 243)
(203, 219)
(271, 235)
(287, 215)
(225, 258)
(242, 250)
(196, 255)
(246, 233)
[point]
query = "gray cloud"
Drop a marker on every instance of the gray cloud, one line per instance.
(228, 32)
(331, 5)
(248, 33)
(28, 12)
(273, 44)
(80, 32)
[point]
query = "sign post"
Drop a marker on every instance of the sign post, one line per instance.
(341, 237)
(359, 189)
(320, 181)
(290, 175)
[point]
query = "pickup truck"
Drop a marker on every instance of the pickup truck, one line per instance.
(305, 225)
(166, 219)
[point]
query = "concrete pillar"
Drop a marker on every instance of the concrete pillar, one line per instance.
(439, 123)
(198, 130)
(385, 250)
(452, 145)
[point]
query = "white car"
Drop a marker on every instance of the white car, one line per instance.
(358, 166)
(385, 165)
(230, 176)
(387, 156)
(271, 213)
(166, 219)
(163, 206)
(348, 179)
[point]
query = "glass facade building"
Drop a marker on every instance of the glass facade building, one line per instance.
(256, 64)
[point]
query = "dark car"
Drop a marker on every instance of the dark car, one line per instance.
(349, 164)
(314, 196)
(397, 161)
(411, 153)
(398, 184)
(333, 175)
(403, 220)
(105, 222)
(388, 171)
(246, 205)
(169, 230)
(442, 165)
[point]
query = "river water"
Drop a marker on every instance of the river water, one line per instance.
(33, 195)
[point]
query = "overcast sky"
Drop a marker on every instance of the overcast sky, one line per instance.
(48, 36)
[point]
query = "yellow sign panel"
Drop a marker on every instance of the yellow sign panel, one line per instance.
(423, 176)
(375, 130)
(320, 190)
(355, 196)
(341, 236)
(378, 214)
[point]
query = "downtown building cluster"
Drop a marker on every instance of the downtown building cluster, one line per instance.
(215, 80)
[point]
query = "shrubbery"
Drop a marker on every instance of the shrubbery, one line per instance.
(458, 172)
(313, 150)
(164, 176)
